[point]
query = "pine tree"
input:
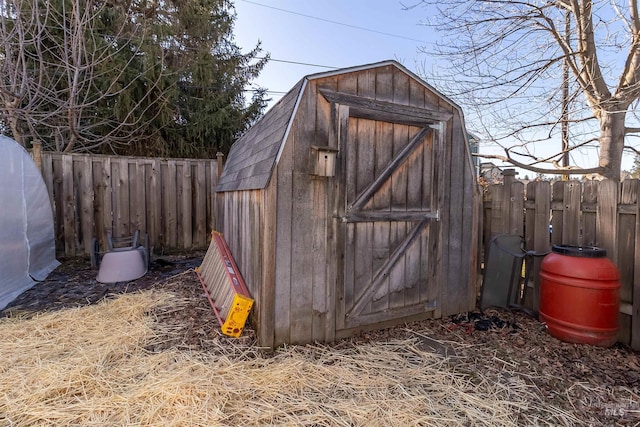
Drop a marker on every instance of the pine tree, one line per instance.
(146, 77)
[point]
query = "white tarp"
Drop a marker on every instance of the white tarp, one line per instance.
(27, 241)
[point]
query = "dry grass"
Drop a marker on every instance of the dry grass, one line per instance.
(89, 366)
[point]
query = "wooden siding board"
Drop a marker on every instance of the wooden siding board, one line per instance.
(334, 247)
(363, 257)
(415, 167)
(247, 238)
(382, 202)
(407, 189)
(364, 145)
(301, 262)
(384, 84)
(347, 83)
(416, 94)
(398, 230)
(321, 232)
(302, 254)
(318, 278)
(458, 257)
(428, 284)
(268, 258)
(415, 171)
(413, 260)
(341, 230)
(428, 173)
(266, 283)
(283, 246)
(380, 253)
(448, 293)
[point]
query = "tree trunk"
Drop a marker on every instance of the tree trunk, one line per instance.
(15, 130)
(612, 131)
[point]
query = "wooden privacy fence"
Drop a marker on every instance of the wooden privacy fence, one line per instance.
(170, 200)
(588, 213)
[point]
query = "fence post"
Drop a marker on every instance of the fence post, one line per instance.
(537, 232)
(37, 153)
(220, 159)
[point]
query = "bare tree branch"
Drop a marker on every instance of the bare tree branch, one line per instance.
(61, 97)
(505, 61)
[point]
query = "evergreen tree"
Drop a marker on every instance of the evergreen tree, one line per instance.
(139, 77)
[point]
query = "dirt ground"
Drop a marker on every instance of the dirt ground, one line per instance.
(599, 386)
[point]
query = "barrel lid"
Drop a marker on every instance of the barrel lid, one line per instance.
(579, 251)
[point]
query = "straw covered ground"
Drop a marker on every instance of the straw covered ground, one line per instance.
(155, 357)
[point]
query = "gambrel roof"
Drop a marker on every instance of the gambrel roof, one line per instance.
(253, 156)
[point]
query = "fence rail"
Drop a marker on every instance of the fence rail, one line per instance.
(588, 213)
(170, 200)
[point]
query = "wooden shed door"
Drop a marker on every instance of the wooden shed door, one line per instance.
(389, 261)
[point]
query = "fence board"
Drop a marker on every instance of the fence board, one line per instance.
(635, 313)
(169, 205)
(138, 201)
(86, 194)
(607, 218)
(184, 205)
(107, 201)
(557, 212)
(200, 206)
(571, 219)
(154, 202)
(68, 205)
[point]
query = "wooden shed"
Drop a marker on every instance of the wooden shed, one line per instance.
(353, 205)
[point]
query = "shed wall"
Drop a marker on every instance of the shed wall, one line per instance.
(288, 239)
(303, 296)
(248, 227)
(308, 266)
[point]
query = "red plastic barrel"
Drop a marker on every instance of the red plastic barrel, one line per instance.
(580, 295)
